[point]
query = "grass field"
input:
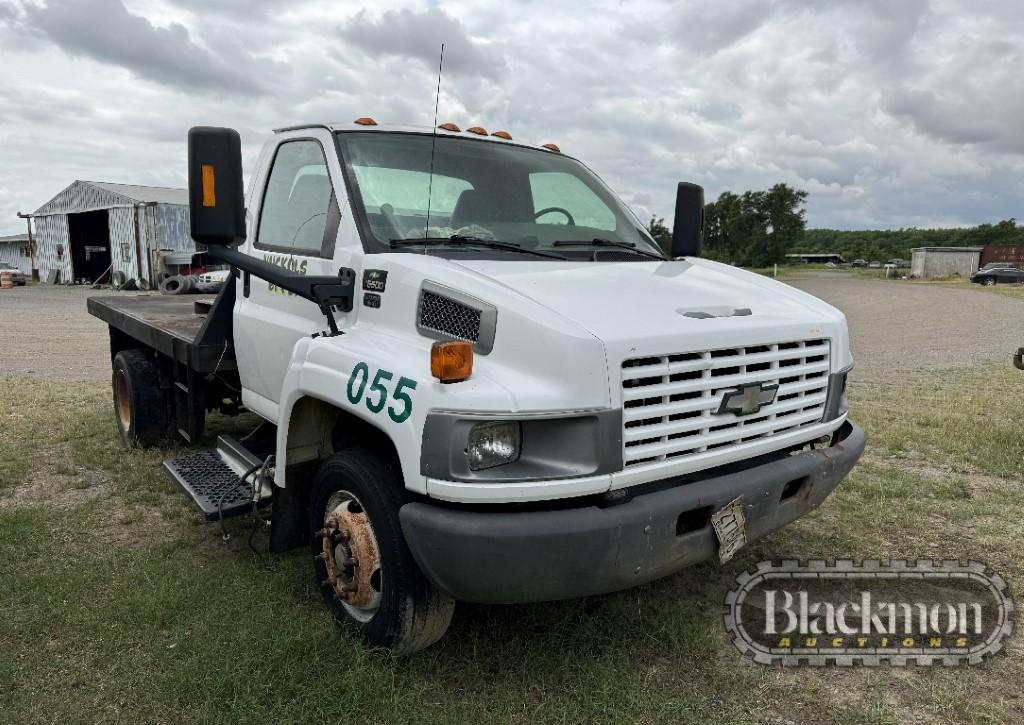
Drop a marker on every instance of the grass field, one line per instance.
(119, 605)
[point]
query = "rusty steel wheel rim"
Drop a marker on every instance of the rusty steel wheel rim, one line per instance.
(351, 557)
(121, 403)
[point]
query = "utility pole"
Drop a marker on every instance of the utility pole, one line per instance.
(31, 246)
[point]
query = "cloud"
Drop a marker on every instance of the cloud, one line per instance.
(418, 35)
(106, 31)
(890, 114)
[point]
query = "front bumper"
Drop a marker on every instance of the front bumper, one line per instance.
(529, 556)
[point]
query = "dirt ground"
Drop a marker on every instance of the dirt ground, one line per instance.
(894, 326)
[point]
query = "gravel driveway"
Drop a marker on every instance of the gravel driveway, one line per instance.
(896, 327)
(900, 327)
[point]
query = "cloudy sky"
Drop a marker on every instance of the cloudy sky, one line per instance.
(892, 113)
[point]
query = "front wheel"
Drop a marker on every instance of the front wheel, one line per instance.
(365, 571)
(989, 281)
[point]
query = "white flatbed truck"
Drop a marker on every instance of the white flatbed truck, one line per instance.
(480, 377)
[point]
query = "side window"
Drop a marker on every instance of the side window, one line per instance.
(299, 212)
(557, 189)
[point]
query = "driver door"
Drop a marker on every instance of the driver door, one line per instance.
(294, 225)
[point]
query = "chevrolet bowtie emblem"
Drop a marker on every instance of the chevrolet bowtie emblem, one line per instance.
(748, 399)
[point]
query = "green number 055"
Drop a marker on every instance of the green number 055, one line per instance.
(401, 406)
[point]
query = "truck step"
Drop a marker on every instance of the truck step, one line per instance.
(212, 479)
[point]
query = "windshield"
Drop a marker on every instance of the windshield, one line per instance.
(484, 191)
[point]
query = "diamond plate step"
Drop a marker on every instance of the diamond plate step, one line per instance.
(211, 479)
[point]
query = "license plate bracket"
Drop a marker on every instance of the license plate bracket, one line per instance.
(731, 529)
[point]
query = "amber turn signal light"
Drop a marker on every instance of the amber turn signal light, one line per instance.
(365, 121)
(449, 127)
(478, 130)
(552, 147)
(451, 362)
(503, 134)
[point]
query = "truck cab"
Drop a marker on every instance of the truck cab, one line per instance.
(483, 379)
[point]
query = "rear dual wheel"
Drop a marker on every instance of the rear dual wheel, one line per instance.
(365, 571)
(138, 402)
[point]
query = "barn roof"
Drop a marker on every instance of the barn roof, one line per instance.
(15, 239)
(93, 195)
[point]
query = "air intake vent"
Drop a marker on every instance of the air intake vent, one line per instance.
(446, 314)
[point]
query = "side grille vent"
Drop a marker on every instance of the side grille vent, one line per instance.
(446, 314)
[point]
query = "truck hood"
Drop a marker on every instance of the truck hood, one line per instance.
(654, 308)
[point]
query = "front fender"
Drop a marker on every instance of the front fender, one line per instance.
(322, 368)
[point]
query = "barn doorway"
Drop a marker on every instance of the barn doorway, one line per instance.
(89, 235)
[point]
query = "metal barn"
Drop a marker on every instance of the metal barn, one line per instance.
(15, 252)
(944, 261)
(93, 226)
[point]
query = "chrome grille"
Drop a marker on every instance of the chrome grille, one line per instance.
(446, 316)
(671, 402)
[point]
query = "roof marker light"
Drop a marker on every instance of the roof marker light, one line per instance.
(552, 147)
(503, 134)
(477, 130)
(449, 127)
(365, 121)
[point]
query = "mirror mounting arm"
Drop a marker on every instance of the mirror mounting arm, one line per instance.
(325, 291)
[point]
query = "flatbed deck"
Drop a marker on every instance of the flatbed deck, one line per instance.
(174, 325)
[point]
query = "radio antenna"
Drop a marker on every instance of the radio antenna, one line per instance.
(433, 143)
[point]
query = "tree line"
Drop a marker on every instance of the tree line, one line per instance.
(758, 229)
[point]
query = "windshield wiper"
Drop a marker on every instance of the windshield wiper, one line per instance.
(468, 240)
(599, 242)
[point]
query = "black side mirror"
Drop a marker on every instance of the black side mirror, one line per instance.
(216, 197)
(688, 225)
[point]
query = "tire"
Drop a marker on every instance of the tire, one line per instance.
(139, 408)
(392, 604)
(117, 280)
(171, 285)
(989, 281)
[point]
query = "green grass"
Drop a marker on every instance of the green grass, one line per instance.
(118, 604)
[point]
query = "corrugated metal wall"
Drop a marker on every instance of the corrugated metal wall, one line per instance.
(10, 253)
(78, 197)
(159, 227)
(122, 242)
(52, 232)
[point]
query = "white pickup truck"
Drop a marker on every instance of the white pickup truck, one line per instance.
(479, 377)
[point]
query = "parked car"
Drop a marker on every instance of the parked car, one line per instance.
(898, 263)
(17, 276)
(875, 265)
(996, 265)
(859, 263)
(998, 275)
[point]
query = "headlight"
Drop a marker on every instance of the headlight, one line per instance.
(493, 444)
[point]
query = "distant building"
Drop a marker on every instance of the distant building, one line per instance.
(93, 226)
(1008, 253)
(944, 261)
(821, 258)
(15, 252)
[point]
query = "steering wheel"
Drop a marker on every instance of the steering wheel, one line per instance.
(560, 210)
